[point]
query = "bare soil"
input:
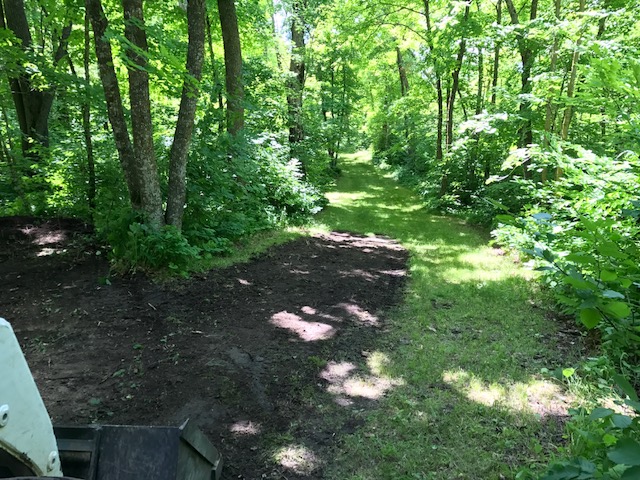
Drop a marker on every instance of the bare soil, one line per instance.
(269, 358)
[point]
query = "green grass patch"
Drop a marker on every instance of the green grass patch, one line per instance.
(464, 352)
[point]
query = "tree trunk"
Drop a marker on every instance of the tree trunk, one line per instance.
(528, 56)
(275, 37)
(295, 83)
(10, 159)
(176, 195)
(573, 75)
(455, 83)
(440, 119)
(115, 110)
(404, 87)
(233, 65)
(32, 105)
(86, 117)
(479, 97)
(141, 124)
(496, 57)
(402, 73)
(549, 107)
(217, 93)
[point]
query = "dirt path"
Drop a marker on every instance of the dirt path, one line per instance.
(270, 358)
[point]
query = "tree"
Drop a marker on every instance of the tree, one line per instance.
(32, 102)
(527, 55)
(176, 197)
(297, 75)
(138, 159)
(233, 65)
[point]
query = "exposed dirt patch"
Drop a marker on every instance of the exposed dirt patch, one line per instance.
(272, 359)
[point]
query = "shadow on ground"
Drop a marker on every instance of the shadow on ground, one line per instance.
(273, 359)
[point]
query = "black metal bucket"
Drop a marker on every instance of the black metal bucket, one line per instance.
(112, 452)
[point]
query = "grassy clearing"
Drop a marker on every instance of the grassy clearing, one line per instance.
(463, 354)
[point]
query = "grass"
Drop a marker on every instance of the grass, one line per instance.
(464, 352)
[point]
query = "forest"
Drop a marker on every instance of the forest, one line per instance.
(176, 131)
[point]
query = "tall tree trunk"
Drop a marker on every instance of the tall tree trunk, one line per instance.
(176, 195)
(86, 117)
(496, 57)
(141, 124)
(233, 65)
(472, 160)
(402, 73)
(115, 111)
(440, 119)
(549, 107)
(573, 75)
(455, 84)
(479, 92)
(217, 93)
(276, 44)
(404, 87)
(295, 83)
(527, 56)
(9, 158)
(32, 105)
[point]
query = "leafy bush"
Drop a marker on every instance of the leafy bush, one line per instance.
(604, 442)
(583, 232)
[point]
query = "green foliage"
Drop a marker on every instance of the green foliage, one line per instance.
(604, 444)
(583, 233)
(134, 245)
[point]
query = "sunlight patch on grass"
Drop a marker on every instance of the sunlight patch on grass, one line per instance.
(539, 397)
(466, 348)
(346, 381)
(297, 458)
(344, 198)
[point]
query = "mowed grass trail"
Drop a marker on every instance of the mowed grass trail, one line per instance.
(465, 349)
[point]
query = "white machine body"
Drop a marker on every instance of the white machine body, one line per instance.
(26, 435)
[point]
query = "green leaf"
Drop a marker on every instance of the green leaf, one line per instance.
(567, 372)
(600, 412)
(609, 439)
(621, 421)
(619, 310)
(608, 276)
(626, 452)
(612, 294)
(506, 219)
(625, 283)
(581, 258)
(590, 317)
(580, 284)
(625, 386)
(632, 473)
(610, 249)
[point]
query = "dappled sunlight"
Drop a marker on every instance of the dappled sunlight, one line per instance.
(378, 362)
(307, 331)
(245, 428)
(358, 273)
(297, 458)
(538, 397)
(360, 315)
(346, 382)
(344, 197)
(45, 252)
(469, 274)
(44, 237)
